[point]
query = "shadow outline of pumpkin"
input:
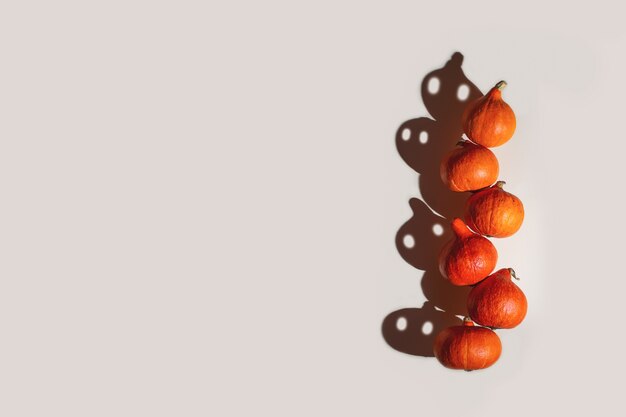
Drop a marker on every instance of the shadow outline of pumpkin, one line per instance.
(406, 330)
(422, 142)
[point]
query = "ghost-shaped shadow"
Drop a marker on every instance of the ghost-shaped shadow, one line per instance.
(421, 238)
(422, 142)
(419, 242)
(447, 102)
(413, 330)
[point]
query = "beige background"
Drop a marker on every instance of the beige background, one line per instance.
(199, 202)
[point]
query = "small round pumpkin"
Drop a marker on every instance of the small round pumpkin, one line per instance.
(469, 167)
(497, 302)
(494, 212)
(468, 258)
(467, 347)
(489, 120)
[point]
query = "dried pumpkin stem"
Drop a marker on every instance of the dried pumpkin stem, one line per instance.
(500, 86)
(500, 184)
(512, 272)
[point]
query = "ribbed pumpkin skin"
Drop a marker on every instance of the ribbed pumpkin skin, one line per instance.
(494, 212)
(467, 347)
(489, 120)
(497, 302)
(468, 258)
(469, 167)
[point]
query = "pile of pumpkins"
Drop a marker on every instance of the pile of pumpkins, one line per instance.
(495, 301)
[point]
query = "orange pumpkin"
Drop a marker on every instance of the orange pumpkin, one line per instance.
(467, 347)
(469, 167)
(497, 302)
(488, 120)
(468, 258)
(494, 212)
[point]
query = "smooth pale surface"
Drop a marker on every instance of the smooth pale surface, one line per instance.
(200, 201)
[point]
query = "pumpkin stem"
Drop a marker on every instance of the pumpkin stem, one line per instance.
(467, 321)
(512, 272)
(500, 86)
(500, 184)
(462, 142)
(460, 228)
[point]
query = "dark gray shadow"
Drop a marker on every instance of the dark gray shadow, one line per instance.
(422, 142)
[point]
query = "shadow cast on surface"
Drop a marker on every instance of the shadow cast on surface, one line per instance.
(422, 142)
(413, 330)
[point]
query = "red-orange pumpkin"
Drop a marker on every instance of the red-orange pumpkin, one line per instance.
(467, 347)
(497, 302)
(488, 120)
(468, 257)
(469, 167)
(494, 212)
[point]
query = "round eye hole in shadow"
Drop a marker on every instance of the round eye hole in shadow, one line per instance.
(423, 137)
(462, 93)
(433, 85)
(406, 134)
(408, 241)
(401, 324)
(438, 229)
(427, 328)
